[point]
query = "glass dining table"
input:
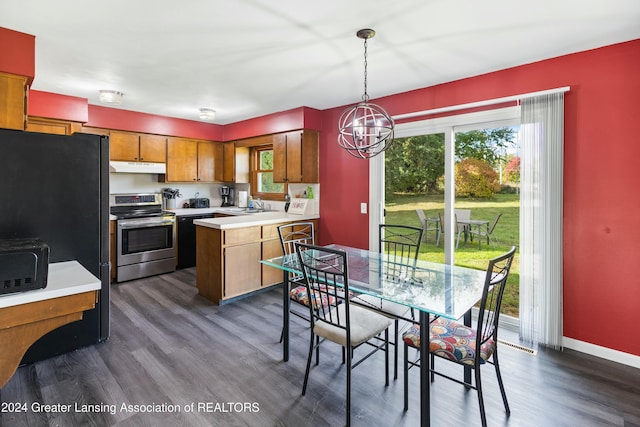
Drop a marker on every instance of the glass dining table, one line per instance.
(432, 289)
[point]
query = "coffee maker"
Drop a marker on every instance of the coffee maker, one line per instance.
(226, 192)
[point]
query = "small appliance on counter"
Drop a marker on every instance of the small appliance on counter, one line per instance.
(243, 199)
(24, 265)
(226, 192)
(199, 202)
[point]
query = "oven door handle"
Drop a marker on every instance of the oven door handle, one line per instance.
(145, 223)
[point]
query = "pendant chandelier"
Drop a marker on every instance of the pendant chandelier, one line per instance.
(366, 129)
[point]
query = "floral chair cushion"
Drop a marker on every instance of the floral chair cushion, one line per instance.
(451, 340)
(299, 294)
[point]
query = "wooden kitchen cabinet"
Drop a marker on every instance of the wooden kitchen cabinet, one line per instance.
(228, 169)
(13, 101)
(295, 157)
(271, 249)
(136, 147)
(228, 261)
(190, 160)
(52, 126)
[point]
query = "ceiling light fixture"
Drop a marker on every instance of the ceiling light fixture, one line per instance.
(366, 129)
(207, 114)
(111, 96)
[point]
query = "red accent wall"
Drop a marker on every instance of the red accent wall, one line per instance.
(297, 118)
(113, 118)
(55, 106)
(601, 210)
(17, 53)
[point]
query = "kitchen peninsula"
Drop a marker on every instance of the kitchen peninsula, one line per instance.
(229, 251)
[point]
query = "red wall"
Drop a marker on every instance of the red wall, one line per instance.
(54, 106)
(17, 53)
(113, 118)
(601, 211)
(297, 118)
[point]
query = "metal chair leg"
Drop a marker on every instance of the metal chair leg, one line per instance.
(483, 415)
(306, 373)
(502, 391)
(406, 376)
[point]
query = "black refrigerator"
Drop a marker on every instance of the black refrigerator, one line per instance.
(56, 188)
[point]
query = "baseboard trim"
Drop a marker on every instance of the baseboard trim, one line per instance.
(602, 352)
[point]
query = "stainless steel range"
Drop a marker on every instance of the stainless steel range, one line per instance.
(145, 237)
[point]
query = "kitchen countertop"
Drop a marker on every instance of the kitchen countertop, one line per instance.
(65, 278)
(249, 220)
(197, 211)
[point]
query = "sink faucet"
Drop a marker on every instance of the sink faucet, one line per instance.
(258, 204)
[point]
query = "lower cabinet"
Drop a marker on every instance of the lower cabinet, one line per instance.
(228, 261)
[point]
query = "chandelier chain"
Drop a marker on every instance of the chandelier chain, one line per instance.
(365, 96)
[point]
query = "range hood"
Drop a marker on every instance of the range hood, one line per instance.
(137, 167)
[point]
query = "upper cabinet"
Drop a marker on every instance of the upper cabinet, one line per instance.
(13, 101)
(228, 164)
(295, 157)
(54, 126)
(191, 160)
(135, 147)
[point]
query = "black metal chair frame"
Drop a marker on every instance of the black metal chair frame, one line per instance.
(400, 243)
(323, 270)
(290, 235)
(487, 328)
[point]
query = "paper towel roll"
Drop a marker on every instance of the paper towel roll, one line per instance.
(243, 197)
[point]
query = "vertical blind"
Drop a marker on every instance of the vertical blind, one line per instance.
(541, 173)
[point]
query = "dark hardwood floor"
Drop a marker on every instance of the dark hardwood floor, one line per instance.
(169, 346)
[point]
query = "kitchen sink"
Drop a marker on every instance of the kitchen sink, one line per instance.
(253, 210)
(245, 210)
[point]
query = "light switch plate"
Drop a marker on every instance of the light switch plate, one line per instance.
(363, 208)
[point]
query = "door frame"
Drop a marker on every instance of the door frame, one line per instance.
(449, 125)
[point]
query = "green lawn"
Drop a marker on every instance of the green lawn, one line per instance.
(401, 209)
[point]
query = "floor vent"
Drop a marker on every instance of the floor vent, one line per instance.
(519, 347)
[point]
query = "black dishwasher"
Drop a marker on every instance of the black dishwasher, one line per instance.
(187, 239)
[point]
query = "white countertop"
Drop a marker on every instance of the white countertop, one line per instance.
(65, 278)
(196, 211)
(251, 220)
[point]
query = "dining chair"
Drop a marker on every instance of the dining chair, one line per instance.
(290, 234)
(459, 228)
(488, 233)
(467, 346)
(426, 227)
(401, 246)
(326, 277)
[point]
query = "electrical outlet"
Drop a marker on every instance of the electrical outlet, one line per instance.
(363, 208)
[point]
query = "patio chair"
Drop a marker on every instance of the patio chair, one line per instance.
(349, 326)
(428, 224)
(459, 227)
(488, 233)
(464, 345)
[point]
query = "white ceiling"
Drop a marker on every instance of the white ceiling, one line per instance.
(247, 58)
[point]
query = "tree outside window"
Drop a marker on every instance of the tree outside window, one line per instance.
(262, 185)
